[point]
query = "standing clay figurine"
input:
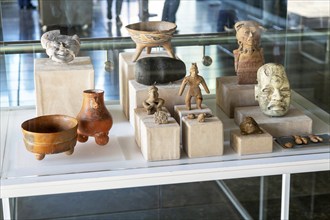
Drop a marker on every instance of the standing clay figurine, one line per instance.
(153, 103)
(249, 126)
(94, 119)
(60, 48)
(193, 80)
(249, 56)
(273, 90)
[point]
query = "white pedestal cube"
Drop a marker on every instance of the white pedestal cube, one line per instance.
(59, 87)
(293, 123)
(202, 139)
(127, 72)
(160, 141)
(139, 115)
(229, 94)
(252, 143)
(139, 92)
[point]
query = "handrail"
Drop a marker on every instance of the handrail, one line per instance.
(111, 43)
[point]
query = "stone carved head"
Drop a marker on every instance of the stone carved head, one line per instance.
(273, 90)
(248, 34)
(60, 48)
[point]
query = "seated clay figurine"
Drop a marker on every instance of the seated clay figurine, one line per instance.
(193, 80)
(273, 90)
(60, 48)
(249, 126)
(153, 103)
(249, 56)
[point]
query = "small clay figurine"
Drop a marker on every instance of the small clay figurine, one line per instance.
(153, 102)
(250, 126)
(60, 48)
(161, 117)
(249, 56)
(193, 80)
(273, 90)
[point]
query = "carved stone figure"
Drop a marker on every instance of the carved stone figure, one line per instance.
(249, 126)
(161, 117)
(193, 80)
(60, 48)
(153, 102)
(249, 56)
(273, 90)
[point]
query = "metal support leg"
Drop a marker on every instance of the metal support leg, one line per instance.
(239, 207)
(6, 208)
(285, 201)
(263, 199)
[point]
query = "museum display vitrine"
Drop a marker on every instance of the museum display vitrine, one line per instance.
(201, 139)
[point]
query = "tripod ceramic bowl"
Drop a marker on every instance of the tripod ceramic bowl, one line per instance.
(152, 34)
(50, 134)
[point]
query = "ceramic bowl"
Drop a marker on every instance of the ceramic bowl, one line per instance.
(50, 134)
(151, 32)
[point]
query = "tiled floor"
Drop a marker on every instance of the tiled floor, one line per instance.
(205, 200)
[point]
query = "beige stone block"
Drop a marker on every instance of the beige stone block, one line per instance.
(251, 144)
(139, 92)
(294, 122)
(181, 111)
(59, 87)
(230, 95)
(202, 139)
(160, 142)
(139, 115)
(127, 72)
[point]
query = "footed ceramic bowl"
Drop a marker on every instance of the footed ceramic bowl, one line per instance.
(152, 34)
(50, 134)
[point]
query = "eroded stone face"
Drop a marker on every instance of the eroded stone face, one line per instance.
(60, 48)
(273, 90)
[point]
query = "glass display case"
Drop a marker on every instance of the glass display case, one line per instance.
(296, 34)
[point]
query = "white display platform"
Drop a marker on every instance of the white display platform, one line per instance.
(121, 164)
(139, 114)
(160, 141)
(202, 139)
(252, 143)
(229, 94)
(295, 122)
(127, 72)
(139, 92)
(59, 87)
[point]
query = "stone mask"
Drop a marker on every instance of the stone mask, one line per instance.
(60, 48)
(273, 90)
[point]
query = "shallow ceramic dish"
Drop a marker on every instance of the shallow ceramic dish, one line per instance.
(152, 34)
(50, 134)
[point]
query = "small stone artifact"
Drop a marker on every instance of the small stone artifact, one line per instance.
(249, 126)
(94, 118)
(161, 117)
(151, 70)
(315, 138)
(193, 81)
(60, 48)
(201, 117)
(299, 139)
(273, 90)
(249, 56)
(153, 103)
(152, 34)
(50, 134)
